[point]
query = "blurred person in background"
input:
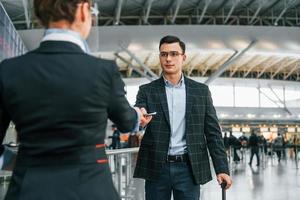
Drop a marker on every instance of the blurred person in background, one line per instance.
(115, 138)
(278, 146)
(254, 147)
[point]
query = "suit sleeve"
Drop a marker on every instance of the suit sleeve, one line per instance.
(214, 137)
(119, 110)
(141, 98)
(4, 117)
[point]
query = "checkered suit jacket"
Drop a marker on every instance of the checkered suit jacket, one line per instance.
(202, 132)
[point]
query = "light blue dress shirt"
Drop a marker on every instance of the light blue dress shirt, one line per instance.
(176, 97)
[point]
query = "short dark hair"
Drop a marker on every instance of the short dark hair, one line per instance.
(55, 10)
(169, 39)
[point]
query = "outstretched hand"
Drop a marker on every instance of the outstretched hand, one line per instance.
(144, 120)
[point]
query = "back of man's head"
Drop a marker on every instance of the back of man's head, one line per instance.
(55, 10)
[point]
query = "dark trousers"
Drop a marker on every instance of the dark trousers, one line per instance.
(278, 152)
(235, 155)
(175, 177)
(254, 150)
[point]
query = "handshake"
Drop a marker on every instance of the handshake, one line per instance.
(145, 117)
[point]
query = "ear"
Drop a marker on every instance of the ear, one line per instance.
(184, 57)
(84, 11)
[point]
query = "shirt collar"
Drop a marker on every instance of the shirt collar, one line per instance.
(178, 85)
(55, 34)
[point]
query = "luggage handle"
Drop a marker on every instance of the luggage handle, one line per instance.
(223, 186)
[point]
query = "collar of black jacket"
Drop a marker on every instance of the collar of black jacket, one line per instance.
(58, 47)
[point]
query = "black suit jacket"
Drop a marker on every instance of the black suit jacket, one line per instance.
(202, 132)
(59, 99)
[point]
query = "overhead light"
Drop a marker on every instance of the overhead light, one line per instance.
(277, 116)
(135, 47)
(250, 116)
(223, 115)
(267, 45)
(239, 43)
(214, 44)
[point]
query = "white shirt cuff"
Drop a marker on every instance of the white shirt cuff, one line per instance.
(137, 125)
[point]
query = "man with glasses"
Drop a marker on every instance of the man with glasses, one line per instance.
(173, 156)
(59, 99)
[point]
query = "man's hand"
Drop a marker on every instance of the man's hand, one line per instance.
(144, 120)
(222, 177)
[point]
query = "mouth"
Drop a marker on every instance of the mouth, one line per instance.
(169, 66)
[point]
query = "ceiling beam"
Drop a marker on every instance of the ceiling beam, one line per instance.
(134, 67)
(224, 2)
(275, 102)
(189, 64)
(292, 71)
(244, 62)
(178, 4)
(228, 63)
(282, 102)
(257, 64)
(145, 67)
(283, 65)
(207, 2)
(271, 65)
(286, 7)
(26, 13)
(235, 2)
(256, 12)
(269, 7)
(148, 6)
(118, 12)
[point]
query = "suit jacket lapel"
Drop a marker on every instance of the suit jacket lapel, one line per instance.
(189, 98)
(163, 98)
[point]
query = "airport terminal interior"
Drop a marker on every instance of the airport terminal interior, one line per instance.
(246, 51)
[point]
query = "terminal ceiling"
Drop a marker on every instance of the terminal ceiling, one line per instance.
(274, 53)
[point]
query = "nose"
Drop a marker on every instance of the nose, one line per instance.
(168, 57)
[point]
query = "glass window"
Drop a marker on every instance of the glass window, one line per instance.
(222, 95)
(246, 97)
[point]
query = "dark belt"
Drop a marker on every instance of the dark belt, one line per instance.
(178, 158)
(77, 155)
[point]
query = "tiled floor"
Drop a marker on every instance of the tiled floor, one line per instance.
(280, 181)
(270, 181)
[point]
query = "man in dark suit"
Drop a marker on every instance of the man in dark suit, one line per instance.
(59, 99)
(173, 154)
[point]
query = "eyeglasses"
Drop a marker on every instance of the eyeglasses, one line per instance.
(172, 54)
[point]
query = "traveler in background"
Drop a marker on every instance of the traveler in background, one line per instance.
(278, 144)
(243, 139)
(115, 138)
(236, 145)
(254, 147)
